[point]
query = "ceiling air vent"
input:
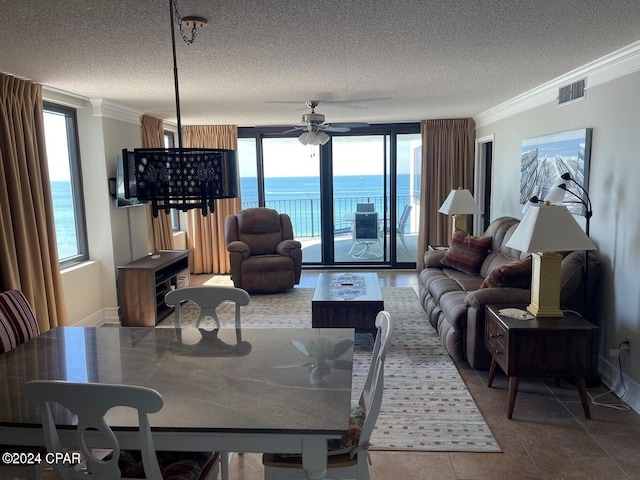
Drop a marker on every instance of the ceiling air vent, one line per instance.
(571, 93)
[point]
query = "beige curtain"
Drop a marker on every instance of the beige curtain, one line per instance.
(159, 229)
(447, 163)
(205, 235)
(28, 249)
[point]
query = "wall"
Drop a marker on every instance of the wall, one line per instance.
(611, 109)
(114, 235)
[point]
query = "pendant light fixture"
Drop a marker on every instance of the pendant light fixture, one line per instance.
(183, 178)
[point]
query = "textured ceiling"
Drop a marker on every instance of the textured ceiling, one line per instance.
(256, 62)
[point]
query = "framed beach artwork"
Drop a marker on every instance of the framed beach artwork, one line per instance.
(544, 159)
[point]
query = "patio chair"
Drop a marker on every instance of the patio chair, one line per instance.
(365, 207)
(348, 457)
(402, 224)
(366, 233)
(90, 402)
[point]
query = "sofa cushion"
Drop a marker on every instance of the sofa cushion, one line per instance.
(513, 274)
(466, 252)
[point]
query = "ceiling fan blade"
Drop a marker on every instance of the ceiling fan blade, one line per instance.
(350, 124)
(331, 128)
(296, 129)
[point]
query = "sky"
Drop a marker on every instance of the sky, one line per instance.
(286, 157)
(57, 150)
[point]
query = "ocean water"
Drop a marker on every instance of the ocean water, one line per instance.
(297, 196)
(300, 197)
(66, 233)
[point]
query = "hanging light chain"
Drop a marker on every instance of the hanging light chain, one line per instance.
(194, 30)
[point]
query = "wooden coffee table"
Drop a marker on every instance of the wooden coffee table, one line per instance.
(347, 300)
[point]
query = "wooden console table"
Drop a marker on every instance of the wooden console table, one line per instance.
(143, 283)
(544, 346)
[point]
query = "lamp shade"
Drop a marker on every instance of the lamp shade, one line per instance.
(549, 228)
(314, 138)
(184, 178)
(459, 202)
(557, 192)
(532, 202)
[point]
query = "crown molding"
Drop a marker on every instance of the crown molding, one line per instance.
(62, 97)
(615, 65)
(108, 109)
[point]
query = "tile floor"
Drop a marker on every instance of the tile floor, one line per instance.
(548, 437)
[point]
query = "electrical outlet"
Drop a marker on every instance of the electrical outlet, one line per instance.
(628, 340)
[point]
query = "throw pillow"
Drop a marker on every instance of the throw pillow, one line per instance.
(513, 274)
(466, 253)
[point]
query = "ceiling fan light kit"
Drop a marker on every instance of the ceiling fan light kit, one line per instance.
(314, 126)
(314, 138)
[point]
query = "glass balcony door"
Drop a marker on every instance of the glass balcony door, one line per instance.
(360, 198)
(407, 194)
(292, 186)
(323, 188)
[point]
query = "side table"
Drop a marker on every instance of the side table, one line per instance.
(544, 346)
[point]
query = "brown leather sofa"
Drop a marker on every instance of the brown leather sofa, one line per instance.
(455, 303)
(264, 256)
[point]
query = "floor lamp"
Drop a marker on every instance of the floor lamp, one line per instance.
(585, 200)
(588, 213)
(557, 195)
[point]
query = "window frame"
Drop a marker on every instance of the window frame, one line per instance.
(77, 191)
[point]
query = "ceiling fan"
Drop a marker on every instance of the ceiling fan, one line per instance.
(314, 127)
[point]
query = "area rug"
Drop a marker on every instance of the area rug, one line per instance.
(426, 405)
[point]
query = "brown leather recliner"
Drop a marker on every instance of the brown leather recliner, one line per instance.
(263, 254)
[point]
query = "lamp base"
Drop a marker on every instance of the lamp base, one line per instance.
(545, 285)
(459, 223)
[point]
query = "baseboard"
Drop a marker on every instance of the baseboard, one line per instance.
(628, 391)
(106, 315)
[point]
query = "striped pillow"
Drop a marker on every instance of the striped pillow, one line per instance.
(17, 321)
(466, 253)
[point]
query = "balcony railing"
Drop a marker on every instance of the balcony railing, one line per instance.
(305, 212)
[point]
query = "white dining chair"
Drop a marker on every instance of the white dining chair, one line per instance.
(90, 402)
(208, 298)
(349, 458)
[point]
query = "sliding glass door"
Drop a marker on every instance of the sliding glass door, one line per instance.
(292, 186)
(353, 201)
(360, 199)
(407, 194)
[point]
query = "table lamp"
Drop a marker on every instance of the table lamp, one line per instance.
(459, 203)
(544, 230)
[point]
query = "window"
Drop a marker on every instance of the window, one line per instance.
(169, 142)
(61, 138)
